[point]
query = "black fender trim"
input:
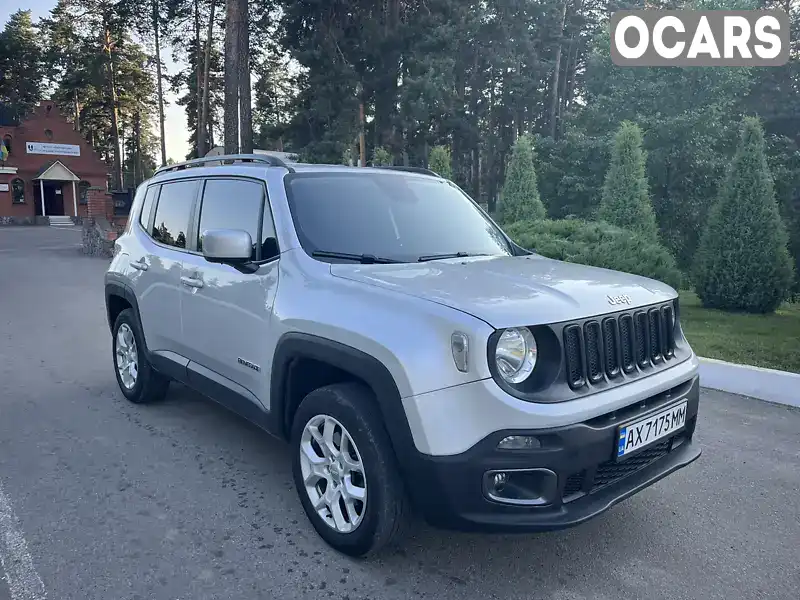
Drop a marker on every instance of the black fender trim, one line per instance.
(118, 288)
(367, 368)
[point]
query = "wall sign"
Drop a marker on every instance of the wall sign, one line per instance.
(55, 149)
(3, 187)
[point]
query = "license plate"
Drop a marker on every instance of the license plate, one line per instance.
(641, 434)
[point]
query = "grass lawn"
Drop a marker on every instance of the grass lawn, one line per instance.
(771, 341)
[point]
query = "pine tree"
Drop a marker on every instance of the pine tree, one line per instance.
(520, 199)
(21, 67)
(743, 262)
(626, 200)
(440, 161)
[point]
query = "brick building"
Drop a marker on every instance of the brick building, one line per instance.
(50, 169)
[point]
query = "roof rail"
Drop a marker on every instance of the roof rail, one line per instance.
(411, 170)
(227, 159)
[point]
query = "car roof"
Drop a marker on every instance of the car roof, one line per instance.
(259, 164)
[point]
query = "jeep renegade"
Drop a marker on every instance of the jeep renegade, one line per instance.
(411, 353)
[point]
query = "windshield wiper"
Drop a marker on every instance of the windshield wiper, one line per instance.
(364, 259)
(428, 257)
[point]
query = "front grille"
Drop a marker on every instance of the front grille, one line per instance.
(611, 471)
(619, 344)
(574, 484)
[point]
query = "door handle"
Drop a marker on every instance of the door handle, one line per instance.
(191, 282)
(139, 265)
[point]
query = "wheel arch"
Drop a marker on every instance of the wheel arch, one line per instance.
(344, 359)
(118, 297)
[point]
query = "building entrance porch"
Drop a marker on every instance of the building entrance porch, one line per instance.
(49, 190)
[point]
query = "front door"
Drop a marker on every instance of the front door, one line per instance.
(53, 198)
(226, 313)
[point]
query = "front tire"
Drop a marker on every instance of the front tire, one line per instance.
(138, 381)
(345, 470)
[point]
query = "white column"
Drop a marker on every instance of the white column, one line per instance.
(41, 190)
(74, 199)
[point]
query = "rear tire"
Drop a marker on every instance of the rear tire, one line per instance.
(349, 408)
(138, 381)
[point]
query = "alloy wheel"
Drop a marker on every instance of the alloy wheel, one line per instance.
(127, 356)
(333, 473)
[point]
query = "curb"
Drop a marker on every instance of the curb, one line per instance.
(780, 387)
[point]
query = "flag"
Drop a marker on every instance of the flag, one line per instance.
(3, 151)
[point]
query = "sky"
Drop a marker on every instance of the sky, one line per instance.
(177, 132)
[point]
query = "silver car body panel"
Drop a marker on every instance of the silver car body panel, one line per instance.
(512, 291)
(470, 412)
(402, 315)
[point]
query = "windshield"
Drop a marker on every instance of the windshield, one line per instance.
(385, 215)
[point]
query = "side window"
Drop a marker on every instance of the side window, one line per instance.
(147, 205)
(232, 204)
(269, 238)
(173, 213)
(83, 189)
(18, 191)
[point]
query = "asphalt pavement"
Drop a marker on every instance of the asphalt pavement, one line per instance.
(101, 499)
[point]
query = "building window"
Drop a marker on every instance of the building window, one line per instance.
(18, 191)
(7, 143)
(83, 192)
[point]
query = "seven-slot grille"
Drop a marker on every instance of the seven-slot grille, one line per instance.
(609, 347)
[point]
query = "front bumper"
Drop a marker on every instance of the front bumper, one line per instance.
(580, 478)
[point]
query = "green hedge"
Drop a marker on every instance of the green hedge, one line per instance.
(598, 244)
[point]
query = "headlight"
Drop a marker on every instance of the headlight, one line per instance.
(515, 355)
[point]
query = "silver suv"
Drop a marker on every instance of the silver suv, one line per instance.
(411, 353)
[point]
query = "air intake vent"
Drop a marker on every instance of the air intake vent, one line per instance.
(656, 335)
(669, 332)
(642, 341)
(594, 362)
(627, 343)
(573, 354)
(611, 343)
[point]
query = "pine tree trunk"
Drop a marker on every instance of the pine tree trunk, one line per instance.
(138, 174)
(570, 69)
(245, 93)
(204, 125)
(556, 72)
(77, 106)
(160, 88)
(232, 76)
(112, 84)
(198, 69)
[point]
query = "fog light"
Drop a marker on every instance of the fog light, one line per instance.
(519, 442)
(529, 487)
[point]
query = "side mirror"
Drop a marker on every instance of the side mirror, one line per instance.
(231, 246)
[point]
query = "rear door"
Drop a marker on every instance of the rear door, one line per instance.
(226, 313)
(156, 261)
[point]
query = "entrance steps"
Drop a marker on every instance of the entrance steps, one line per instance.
(61, 222)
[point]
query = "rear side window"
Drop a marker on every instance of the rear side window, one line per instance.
(173, 212)
(236, 204)
(147, 206)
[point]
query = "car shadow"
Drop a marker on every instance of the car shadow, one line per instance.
(548, 562)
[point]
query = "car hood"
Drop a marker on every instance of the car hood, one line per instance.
(510, 291)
